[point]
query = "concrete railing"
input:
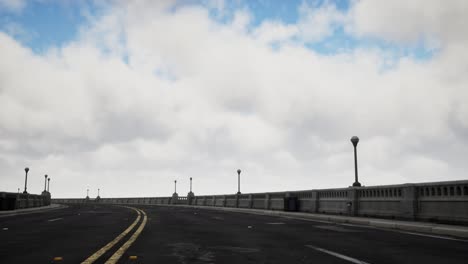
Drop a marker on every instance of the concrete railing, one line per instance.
(437, 201)
(12, 201)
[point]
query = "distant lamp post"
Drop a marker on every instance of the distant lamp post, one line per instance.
(45, 183)
(175, 186)
(355, 141)
(87, 193)
(48, 185)
(190, 184)
(98, 192)
(18, 190)
(26, 180)
(238, 181)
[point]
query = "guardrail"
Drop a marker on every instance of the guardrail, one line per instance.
(437, 201)
(12, 201)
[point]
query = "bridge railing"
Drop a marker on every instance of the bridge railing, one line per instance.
(12, 201)
(436, 201)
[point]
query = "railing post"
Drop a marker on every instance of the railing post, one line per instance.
(353, 202)
(410, 202)
(315, 202)
(224, 201)
(267, 201)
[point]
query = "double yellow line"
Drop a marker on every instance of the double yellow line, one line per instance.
(118, 254)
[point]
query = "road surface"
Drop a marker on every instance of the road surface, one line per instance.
(97, 234)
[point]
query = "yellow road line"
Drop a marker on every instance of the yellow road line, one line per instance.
(118, 254)
(104, 249)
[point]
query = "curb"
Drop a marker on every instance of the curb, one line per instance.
(34, 210)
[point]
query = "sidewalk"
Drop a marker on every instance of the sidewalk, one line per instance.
(31, 210)
(422, 227)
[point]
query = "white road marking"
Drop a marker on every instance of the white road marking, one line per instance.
(338, 255)
(433, 236)
(307, 219)
(375, 228)
(335, 228)
(275, 223)
(408, 233)
(5, 228)
(55, 219)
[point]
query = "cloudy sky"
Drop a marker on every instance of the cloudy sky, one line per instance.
(127, 96)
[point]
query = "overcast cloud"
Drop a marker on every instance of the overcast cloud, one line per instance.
(148, 93)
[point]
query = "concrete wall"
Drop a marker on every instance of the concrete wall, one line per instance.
(12, 201)
(445, 202)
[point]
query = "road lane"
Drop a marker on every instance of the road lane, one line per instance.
(188, 235)
(81, 231)
(118, 254)
(98, 254)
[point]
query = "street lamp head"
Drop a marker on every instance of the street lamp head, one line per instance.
(355, 140)
(26, 169)
(238, 171)
(190, 178)
(45, 176)
(48, 179)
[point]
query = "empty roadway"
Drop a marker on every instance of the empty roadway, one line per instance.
(190, 235)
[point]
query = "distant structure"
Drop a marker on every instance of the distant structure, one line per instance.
(190, 195)
(175, 196)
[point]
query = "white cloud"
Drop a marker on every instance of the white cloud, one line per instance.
(199, 98)
(434, 22)
(317, 23)
(269, 32)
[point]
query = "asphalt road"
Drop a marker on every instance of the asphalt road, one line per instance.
(187, 235)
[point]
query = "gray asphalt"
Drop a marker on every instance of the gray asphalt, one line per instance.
(188, 235)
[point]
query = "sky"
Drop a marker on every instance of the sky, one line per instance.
(128, 96)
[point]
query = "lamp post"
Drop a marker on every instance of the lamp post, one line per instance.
(238, 181)
(26, 180)
(190, 184)
(355, 141)
(48, 185)
(87, 193)
(175, 186)
(98, 192)
(45, 183)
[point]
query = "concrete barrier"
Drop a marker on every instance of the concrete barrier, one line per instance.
(12, 201)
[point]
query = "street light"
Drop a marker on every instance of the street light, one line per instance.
(26, 180)
(190, 184)
(87, 193)
(238, 181)
(355, 141)
(48, 184)
(175, 186)
(45, 183)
